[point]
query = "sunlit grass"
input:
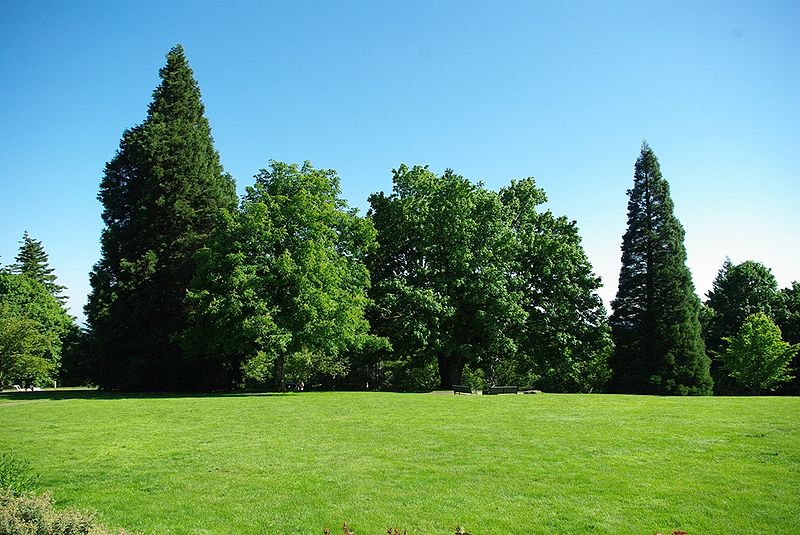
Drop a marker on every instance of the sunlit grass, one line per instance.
(286, 464)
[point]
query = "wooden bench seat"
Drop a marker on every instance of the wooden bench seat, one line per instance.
(492, 390)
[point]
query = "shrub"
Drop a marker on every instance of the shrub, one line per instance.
(31, 514)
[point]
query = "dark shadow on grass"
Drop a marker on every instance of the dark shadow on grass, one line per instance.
(89, 393)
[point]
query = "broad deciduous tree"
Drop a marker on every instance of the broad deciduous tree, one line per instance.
(788, 315)
(26, 353)
(738, 291)
(756, 356)
(565, 342)
(282, 286)
(655, 323)
(441, 274)
(788, 319)
(33, 325)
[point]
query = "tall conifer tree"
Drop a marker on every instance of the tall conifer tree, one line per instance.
(655, 323)
(161, 195)
(33, 262)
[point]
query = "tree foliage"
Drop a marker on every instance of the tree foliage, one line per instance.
(565, 342)
(738, 291)
(756, 356)
(33, 325)
(27, 355)
(788, 319)
(161, 195)
(655, 323)
(479, 286)
(32, 260)
(440, 275)
(282, 286)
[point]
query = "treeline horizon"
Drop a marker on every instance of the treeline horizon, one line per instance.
(441, 282)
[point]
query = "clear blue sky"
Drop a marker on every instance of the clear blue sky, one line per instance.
(562, 91)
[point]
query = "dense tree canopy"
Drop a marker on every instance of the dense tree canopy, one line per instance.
(788, 319)
(161, 195)
(440, 275)
(738, 291)
(789, 313)
(444, 282)
(468, 282)
(655, 322)
(756, 356)
(282, 287)
(565, 342)
(33, 325)
(26, 353)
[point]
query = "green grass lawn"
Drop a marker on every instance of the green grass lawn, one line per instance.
(296, 463)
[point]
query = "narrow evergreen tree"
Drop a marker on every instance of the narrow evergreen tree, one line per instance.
(32, 261)
(161, 195)
(655, 322)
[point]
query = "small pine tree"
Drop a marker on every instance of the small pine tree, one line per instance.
(757, 357)
(655, 323)
(32, 261)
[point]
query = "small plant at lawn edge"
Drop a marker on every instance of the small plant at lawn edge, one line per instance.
(16, 474)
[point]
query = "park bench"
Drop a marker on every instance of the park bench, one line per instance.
(291, 386)
(500, 390)
(462, 389)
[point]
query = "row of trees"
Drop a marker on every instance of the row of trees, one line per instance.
(442, 282)
(39, 342)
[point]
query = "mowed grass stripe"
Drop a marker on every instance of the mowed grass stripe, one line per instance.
(496, 464)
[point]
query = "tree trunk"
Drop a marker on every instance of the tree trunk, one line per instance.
(451, 370)
(278, 373)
